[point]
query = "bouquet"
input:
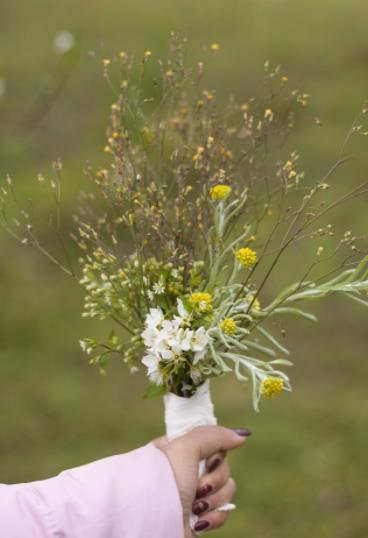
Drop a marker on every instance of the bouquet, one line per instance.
(182, 228)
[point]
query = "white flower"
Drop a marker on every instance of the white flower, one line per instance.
(171, 354)
(170, 331)
(83, 344)
(195, 340)
(167, 346)
(158, 288)
(150, 335)
(184, 315)
(160, 345)
(186, 339)
(154, 318)
(153, 372)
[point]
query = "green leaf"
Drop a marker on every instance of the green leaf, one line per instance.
(272, 339)
(155, 390)
(357, 299)
(295, 312)
(260, 348)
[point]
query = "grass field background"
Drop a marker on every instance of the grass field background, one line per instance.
(302, 473)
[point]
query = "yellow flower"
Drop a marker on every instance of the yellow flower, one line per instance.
(220, 192)
(268, 114)
(226, 153)
(215, 47)
(271, 386)
(208, 95)
(201, 301)
(197, 156)
(256, 306)
(246, 256)
(228, 325)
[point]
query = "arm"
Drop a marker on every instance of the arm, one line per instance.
(129, 496)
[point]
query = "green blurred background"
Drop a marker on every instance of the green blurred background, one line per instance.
(303, 473)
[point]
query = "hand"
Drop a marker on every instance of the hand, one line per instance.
(203, 495)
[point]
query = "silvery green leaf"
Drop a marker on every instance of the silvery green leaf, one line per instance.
(272, 339)
(296, 312)
(282, 361)
(266, 350)
(358, 299)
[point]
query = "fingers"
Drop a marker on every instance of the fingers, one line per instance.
(211, 482)
(217, 499)
(208, 440)
(214, 520)
(207, 511)
(215, 461)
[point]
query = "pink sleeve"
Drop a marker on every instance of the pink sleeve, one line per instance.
(133, 495)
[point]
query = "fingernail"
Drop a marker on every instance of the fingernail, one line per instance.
(213, 465)
(243, 432)
(201, 525)
(199, 507)
(204, 490)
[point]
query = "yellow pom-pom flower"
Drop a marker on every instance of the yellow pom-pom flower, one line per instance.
(271, 386)
(228, 326)
(256, 306)
(201, 301)
(220, 192)
(246, 257)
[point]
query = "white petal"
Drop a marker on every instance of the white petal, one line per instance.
(183, 313)
(199, 356)
(149, 336)
(154, 318)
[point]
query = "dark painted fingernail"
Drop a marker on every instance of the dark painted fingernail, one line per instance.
(204, 490)
(213, 465)
(199, 507)
(243, 432)
(201, 525)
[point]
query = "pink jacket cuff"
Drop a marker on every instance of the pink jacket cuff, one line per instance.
(133, 495)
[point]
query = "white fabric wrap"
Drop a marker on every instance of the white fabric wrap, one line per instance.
(183, 415)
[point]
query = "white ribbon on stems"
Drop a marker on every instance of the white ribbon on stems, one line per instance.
(183, 415)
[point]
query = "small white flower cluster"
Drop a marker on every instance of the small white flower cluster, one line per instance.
(170, 339)
(158, 288)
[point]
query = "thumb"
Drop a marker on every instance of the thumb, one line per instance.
(208, 440)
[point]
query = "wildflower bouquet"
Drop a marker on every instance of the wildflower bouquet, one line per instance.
(183, 227)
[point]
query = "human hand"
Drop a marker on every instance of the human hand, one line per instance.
(206, 494)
